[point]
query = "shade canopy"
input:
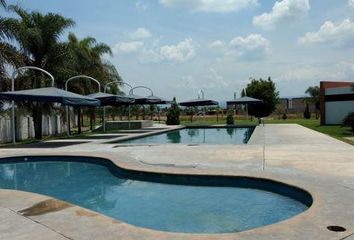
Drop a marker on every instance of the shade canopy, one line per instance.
(50, 94)
(149, 100)
(108, 99)
(244, 100)
(198, 102)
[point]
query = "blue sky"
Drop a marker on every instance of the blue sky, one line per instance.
(179, 46)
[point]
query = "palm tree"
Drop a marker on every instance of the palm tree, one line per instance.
(87, 59)
(314, 93)
(37, 36)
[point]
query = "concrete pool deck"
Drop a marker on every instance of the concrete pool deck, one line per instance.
(289, 153)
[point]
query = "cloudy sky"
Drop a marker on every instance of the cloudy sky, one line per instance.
(179, 46)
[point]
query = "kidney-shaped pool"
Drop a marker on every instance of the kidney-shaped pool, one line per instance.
(175, 203)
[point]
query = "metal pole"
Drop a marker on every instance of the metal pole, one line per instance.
(67, 120)
(129, 125)
(66, 89)
(104, 119)
(13, 89)
(13, 123)
(105, 90)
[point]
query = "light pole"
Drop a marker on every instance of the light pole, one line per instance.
(13, 89)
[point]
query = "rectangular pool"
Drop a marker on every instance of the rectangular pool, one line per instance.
(228, 135)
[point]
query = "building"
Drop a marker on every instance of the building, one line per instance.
(295, 104)
(336, 100)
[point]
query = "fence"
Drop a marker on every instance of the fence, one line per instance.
(51, 125)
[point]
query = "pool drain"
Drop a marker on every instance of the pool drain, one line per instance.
(336, 229)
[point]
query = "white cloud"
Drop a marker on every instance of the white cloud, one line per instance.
(341, 71)
(215, 79)
(179, 52)
(282, 10)
(211, 5)
(351, 3)
(189, 81)
(127, 47)
(141, 33)
(141, 6)
(216, 44)
(341, 34)
(252, 47)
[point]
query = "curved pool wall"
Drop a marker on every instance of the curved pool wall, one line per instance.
(90, 185)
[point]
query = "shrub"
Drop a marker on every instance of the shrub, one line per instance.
(349, 121)
(230, 118)
(284, 116)
(307, 114)
(173, 114)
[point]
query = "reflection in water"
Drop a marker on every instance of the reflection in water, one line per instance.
(230, 131)
(174, 137)
(199, 136)
(193, 132)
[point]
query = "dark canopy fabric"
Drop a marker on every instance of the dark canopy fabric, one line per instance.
(198, 102)
(108, 99)
(50, 94)
(243, 100)
(149, 100)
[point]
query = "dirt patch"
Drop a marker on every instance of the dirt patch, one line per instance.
(44, 207)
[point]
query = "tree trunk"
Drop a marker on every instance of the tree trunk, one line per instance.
(37, 121)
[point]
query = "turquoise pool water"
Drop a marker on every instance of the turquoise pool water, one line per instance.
(229, 135)
(206, 205)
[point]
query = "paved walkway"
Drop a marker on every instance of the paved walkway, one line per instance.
(286, 152)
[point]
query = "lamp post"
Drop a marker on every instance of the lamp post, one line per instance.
(66, 89)
(13, 89)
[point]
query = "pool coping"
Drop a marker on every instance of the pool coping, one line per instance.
(311, 223)
(333, 200)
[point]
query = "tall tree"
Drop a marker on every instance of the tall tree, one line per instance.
(314, 93)
(9, 56)
(264, 90)
(87, 59)
(38, 38)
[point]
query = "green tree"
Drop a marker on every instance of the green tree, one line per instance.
(9, 55)
(86, 59)
(264, 90)
(349, 121)
(307, 114)
(314, 93)
(38, 37)
(230, 117)
(173, 114)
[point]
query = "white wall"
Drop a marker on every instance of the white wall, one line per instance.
(52, 125)
(336, 111)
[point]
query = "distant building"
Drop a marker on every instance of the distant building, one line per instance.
(295, 104)
(336, 100)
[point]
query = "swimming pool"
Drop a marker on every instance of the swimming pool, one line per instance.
(175, 203)
(215, 135)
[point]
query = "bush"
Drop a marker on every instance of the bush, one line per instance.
(284, 116)
(349, 121)
(307, 114)
(230, 118)
(173, 114)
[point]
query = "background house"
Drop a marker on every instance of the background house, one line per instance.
(337, 100)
